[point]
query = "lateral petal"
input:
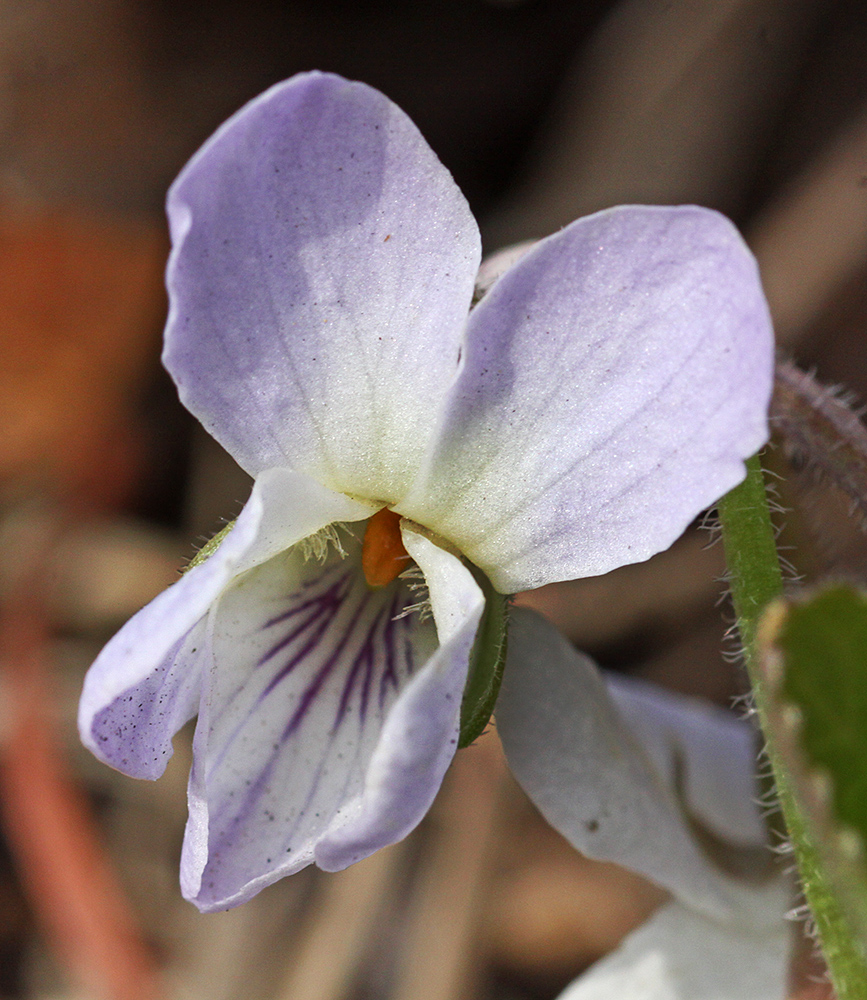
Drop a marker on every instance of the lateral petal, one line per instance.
(145, 683)
(614, 380)
(321, 734)
(321, 275)
(574, 754)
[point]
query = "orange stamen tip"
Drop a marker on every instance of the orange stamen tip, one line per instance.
(383, 556)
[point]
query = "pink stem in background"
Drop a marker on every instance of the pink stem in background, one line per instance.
(52, 834)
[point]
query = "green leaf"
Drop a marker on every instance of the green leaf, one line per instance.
(755, 581)
(487, 660)
(814, 656)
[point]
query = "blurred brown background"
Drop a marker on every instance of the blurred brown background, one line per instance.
(544, 110)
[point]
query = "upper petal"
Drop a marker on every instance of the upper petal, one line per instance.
(322, 270)
(614, 379)
(615, 794)
(327, 722)
(145, 683)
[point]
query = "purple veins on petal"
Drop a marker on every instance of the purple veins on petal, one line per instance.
(376, 647)
(321, 611)
(309, 662)
(332, 597)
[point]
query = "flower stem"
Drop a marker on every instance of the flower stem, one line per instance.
(755, 580)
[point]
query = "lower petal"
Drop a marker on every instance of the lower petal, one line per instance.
(420, 735)
(322, 734)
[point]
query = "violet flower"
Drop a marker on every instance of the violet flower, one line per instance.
(603, 392)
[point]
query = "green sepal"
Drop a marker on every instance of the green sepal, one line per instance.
(487, 660)
(209, 548)
(814, 656)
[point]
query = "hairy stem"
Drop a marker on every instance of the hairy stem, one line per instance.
(755, 580)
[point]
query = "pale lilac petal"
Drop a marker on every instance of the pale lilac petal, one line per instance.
(303, 721)
(680, 955)
(133, 687)
(145, 683)
(133, 731)
(296, 507)
(456, 600)
(495, 266)
(706, 750)
(322, 270)
(575, 756)
(613, 381)
(420, 735)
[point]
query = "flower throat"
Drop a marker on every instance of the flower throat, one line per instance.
(383, 556)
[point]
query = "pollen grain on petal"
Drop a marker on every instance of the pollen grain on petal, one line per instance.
(383, 556)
